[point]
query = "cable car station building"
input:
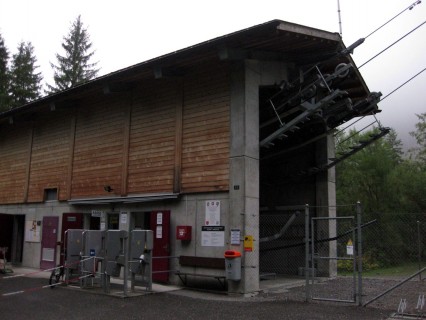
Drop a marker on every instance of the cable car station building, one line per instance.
(195, 145)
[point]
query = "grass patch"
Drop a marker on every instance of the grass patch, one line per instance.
(406, 269)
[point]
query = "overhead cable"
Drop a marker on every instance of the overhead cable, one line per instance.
(392, 44)
(402, 85)
(410, 7)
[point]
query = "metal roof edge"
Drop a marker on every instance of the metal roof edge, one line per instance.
(129, 199)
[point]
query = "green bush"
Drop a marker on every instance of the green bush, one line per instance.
(368, 264)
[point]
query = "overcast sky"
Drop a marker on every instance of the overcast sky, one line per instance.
(127, 32)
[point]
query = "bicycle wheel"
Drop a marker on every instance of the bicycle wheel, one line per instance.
(55, 277)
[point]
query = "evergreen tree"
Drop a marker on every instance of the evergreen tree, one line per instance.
(74, 68)
(25, 82)
(420, 136)
(4, 76)
(364, 176)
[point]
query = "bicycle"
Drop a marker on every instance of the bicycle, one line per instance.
(56, 276)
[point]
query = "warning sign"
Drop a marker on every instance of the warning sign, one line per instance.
(248, 243)
(349, 248)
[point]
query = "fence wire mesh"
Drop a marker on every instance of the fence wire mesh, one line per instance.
(393, 248)
(282, 249)
(394, 240)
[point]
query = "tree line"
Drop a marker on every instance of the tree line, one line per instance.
(391, 187)
(381, 176)
(21, 83)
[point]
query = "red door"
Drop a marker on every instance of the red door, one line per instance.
(69, 221)
(160, 225)
(49, 238)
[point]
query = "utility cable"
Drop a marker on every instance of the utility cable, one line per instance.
(410, 7)
(402, 85)
(392, 44)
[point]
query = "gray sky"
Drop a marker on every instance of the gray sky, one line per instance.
(127, 32)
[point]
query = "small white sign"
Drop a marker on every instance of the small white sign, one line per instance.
(159, 232)
(97, 213)
(159, 218)
(235, 236)
(123, 218)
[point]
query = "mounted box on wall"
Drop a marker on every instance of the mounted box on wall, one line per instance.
(183, 232)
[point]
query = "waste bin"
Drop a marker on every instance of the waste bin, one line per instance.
(233, 265)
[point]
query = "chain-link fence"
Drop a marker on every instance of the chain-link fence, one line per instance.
(393, 245)
(282, 241)
(394, 240)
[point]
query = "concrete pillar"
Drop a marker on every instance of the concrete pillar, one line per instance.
(326, 202)
(244, 169)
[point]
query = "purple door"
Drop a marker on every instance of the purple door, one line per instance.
(160, 225)
(49, 239)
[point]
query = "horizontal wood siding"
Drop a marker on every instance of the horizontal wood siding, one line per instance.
(206, 131)
(14, 144)
(176, 133)
(98, 148)
(152, 139)
(49, 157)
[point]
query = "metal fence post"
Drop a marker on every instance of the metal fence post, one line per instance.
(307, 291)
(359, 252)
(419, 244)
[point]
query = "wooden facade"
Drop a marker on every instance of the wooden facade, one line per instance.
(161, 136)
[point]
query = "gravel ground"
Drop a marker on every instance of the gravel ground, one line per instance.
(341, 288)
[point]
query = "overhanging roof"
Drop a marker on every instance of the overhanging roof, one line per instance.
(273, 40)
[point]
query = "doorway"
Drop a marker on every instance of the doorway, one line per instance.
(12, 236)
(159, 222)
(49, 240)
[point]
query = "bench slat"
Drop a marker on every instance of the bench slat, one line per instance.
(202, 262)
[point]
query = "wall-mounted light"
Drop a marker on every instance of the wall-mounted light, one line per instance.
(108, 189)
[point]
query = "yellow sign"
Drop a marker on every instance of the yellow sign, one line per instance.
(248, 243)
(349, 248)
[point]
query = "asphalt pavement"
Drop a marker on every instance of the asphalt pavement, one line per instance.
(24, 294)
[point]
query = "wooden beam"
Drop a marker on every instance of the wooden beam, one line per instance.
(236, 54)
(28, 164)
(126, 146)
(167, 72)
(71, 154)
(110, 88)
(178, 135)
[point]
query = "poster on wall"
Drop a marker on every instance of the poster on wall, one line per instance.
(235, 237)
(212, 213)
(213, 236)
(32, 231)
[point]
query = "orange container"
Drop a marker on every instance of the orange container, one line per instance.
(232, 254)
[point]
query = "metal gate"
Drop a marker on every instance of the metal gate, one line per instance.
(334, 241)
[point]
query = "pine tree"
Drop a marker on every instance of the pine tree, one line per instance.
(74, 68)
(419, 134)
(4, 77)
(25, 82)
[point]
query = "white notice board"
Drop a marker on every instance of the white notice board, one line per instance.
(213, 236)
(32, 231)
(212, 213)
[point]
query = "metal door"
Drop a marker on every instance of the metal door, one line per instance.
(49, 238)
(160, 225)
(69, 221)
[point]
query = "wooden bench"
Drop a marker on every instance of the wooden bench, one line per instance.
(201, 262)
